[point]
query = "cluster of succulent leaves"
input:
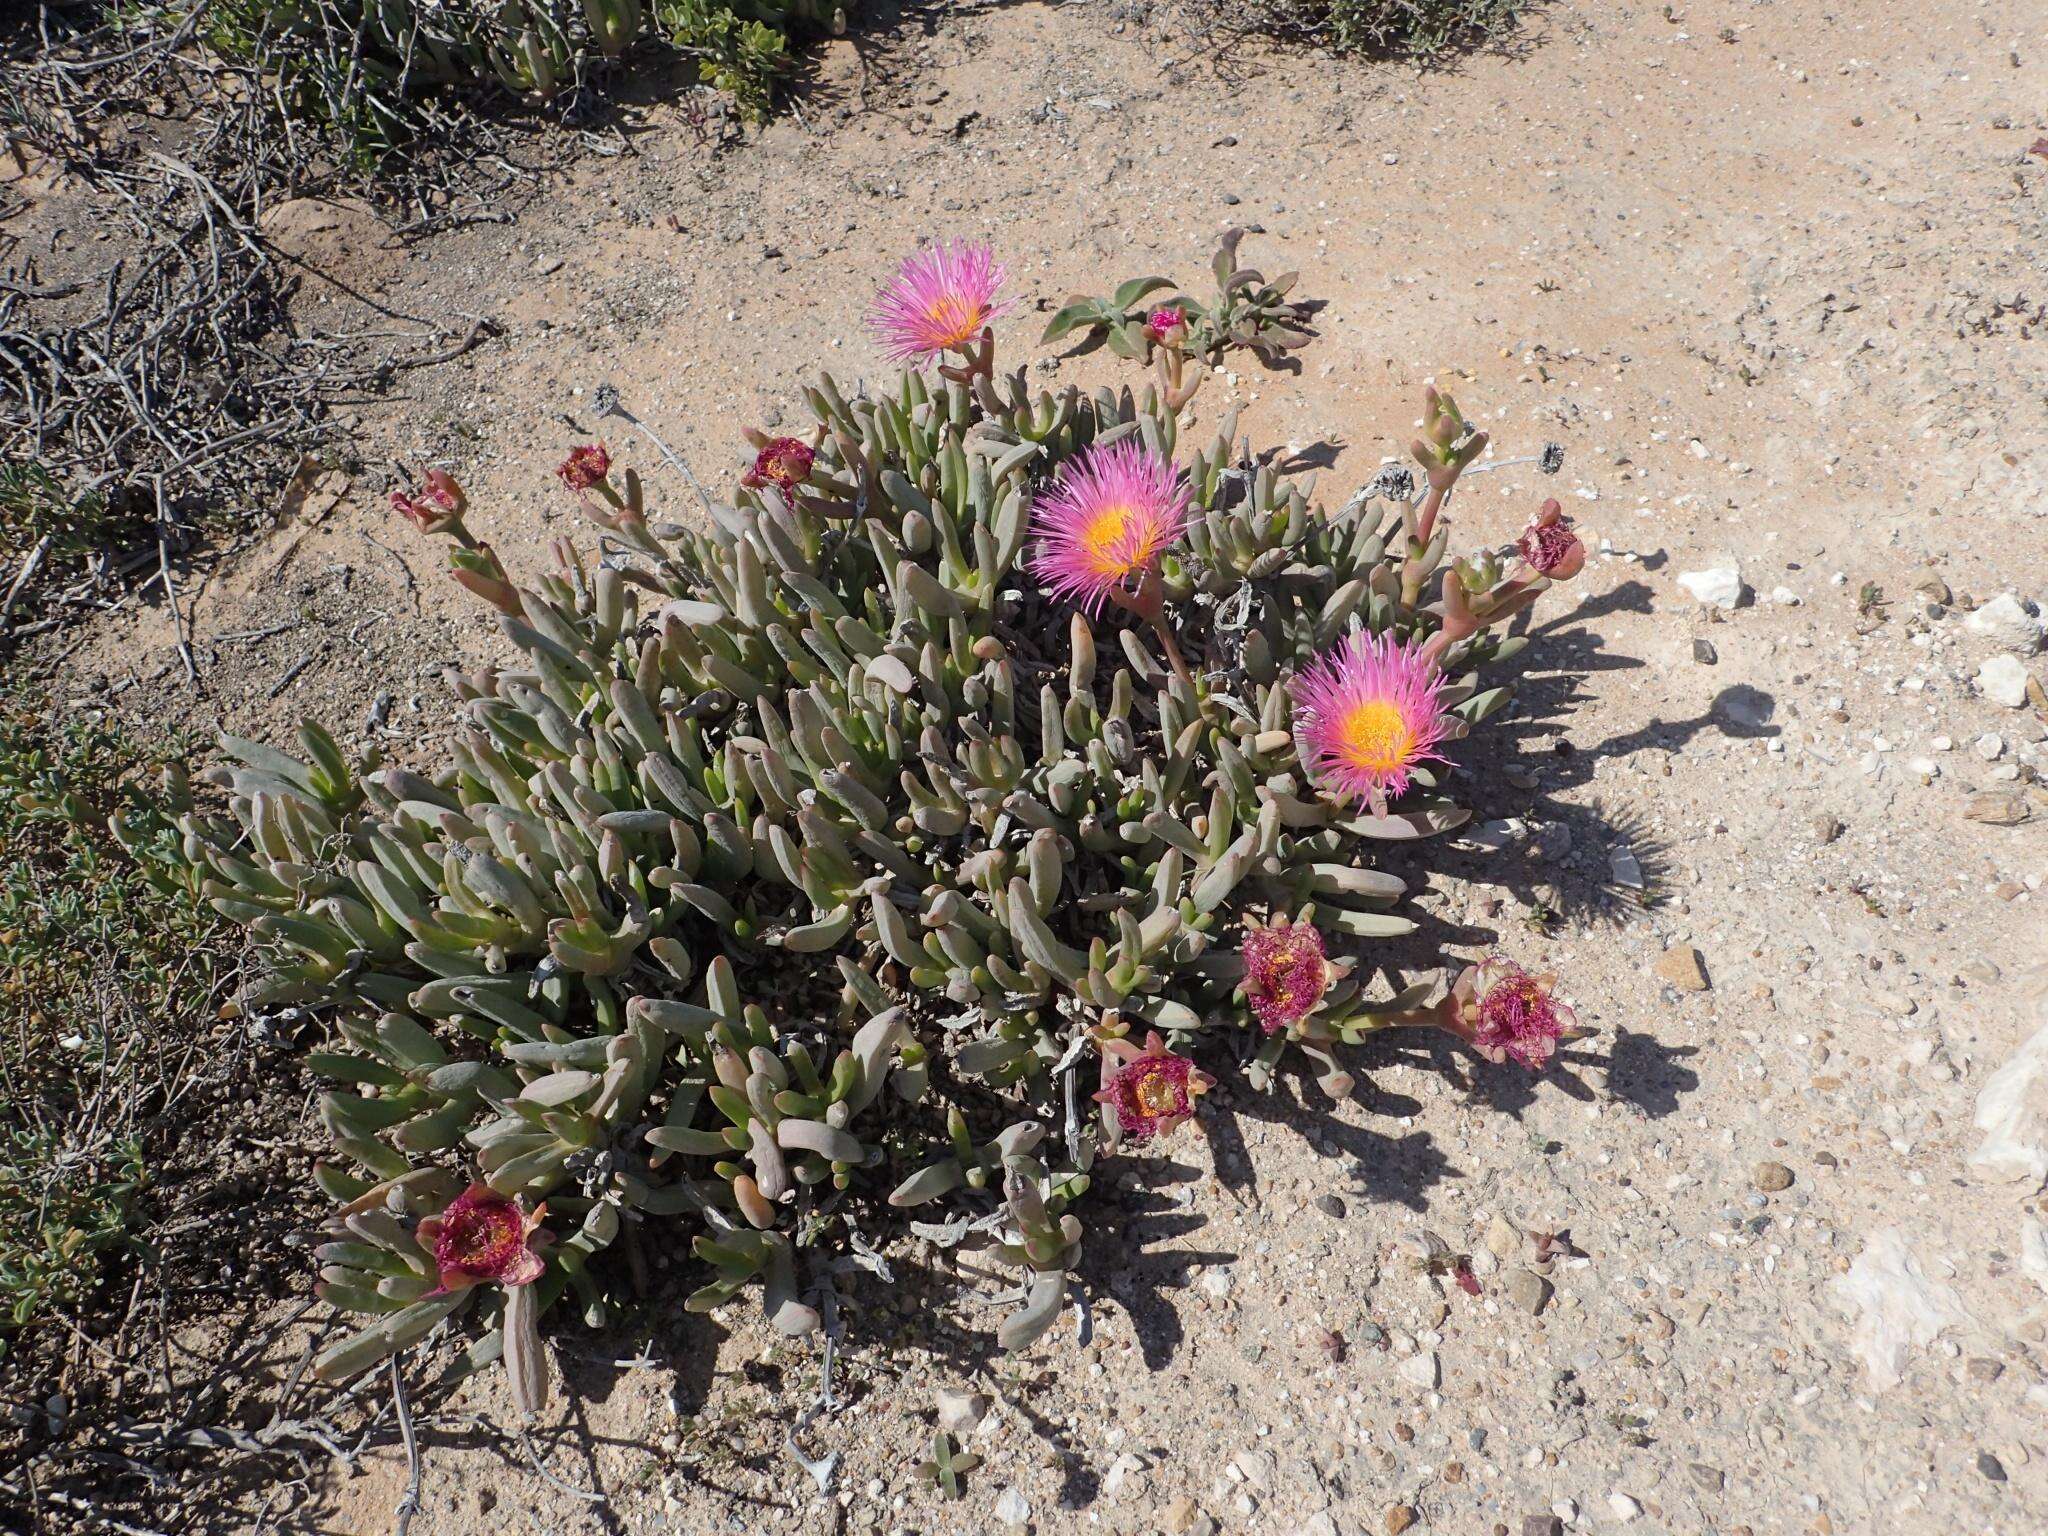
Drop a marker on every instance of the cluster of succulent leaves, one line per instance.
(1247, 312)
(790, 878)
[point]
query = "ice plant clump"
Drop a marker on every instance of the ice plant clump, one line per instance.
(1286, 971)
(1367, 714)
(766, 903)
(586, 466)
(484, 1236)
(784, 462)
(1102, 527)
(938, 301)
(1506, 1013)
(1550, 546)
(1151, 1091)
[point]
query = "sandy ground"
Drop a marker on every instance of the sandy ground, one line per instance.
(1773, 274)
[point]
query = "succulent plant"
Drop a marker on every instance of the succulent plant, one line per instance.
(805, 863)
(1247, 313)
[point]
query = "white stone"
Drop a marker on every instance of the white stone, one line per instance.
(1012, 1508)
(1926, 767)
(1420, 1370)
(2005, 622)
(2002, 680)
(1718, 586)
(1785, 597)
(1625, 1508)
(1991, 746)
(1126, 1468)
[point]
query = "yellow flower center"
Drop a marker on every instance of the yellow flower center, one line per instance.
(953, 320)
(1103, 539)
(1375, 736)
(1156, 1094)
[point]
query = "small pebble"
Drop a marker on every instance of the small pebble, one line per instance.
(1991, 1466)
(1772, 1177)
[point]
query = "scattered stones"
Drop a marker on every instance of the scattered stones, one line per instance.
(1703, 652)
(2002, 680)
(2006, 623)
(1124, 1474)
(1401, 1516)
(1682, 966)
(1991, 1466)
(1718, 586)
(1772, 1177)
(1529, 1291)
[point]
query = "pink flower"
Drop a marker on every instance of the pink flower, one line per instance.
(586, 466)
(1166, 323)
(1550, 546)
(940, 298)
(485, 1236)
(1286, 972)
(1101, 528)
(1152, 1091)
(437, 508)
(1366, 713)
(1506, 1013)
(784, 462)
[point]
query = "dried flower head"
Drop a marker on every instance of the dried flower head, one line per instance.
(1152, 1091)
(586, 466)
(784, 462)
(1286, 971)
(437, 508)
(1550, 546)
(485, 1236)
(1366, 713)
(1509, 1014)
(1102, 527)
(940, 298)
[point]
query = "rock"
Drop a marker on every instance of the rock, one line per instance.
(2002, 680)
(1529, 1291)
(548, 266)
(961, 1411)
(1420, 1370)
(1401, 1516)
(1785, 597)
(1991, 1466)
(1012, 1508)
(1703, 652)
(1772, 1177)
(1502, 1239)
(2006, 623)
(1827, 828)
(1330, 1206)
(2012, 1112)
(1712, 1479)
(1895, 1306)
(1124, 1474)
(1625, 1508)
(1178, 1515)
(1624, 868)
(1542, 1525)
(1718, 586)
(1990, 746)
(1682, 967)
(1997, 808)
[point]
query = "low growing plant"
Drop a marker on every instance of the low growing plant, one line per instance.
(996, 770)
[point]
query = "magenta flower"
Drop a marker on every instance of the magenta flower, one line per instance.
(1550, 546)
(1101, 528)
(784, 462)
(485, 1236)
(586, 466)
(1152, 1090)
(1366, 713)
(1286, 972)
(939, 299)
(1508, 1014)
(1166, 323)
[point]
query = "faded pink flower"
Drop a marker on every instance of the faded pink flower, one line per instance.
(1508, 1014)
(1550, 546)
(1152, 1091)
(1286, 972)
(1102, 527)
(784, 462)
(586, 466)
(437, 508)
(1366, 713)
(1169, 322)
(939, 299)
(485, 1236)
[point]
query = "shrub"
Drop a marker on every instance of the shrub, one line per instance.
(1419, 29)
(993, 752)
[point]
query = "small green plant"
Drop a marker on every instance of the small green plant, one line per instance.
(1414, 29)
(1246, 312)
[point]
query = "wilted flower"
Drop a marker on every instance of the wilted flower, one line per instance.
(1169, 322)
(1286, 972)
(485, 1236)
(1550, 546)
(1366, 713)
(939, 298)
(1101, 528)
(784, 462)
(1507, 1013)
(586, 466)
(437, 508)
(1152, 1091)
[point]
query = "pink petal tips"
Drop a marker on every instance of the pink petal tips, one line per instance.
(1365, 714)
(1102, 527)
(1153, 1090)
(1286, 972)
(1550, 546)
(1509, 1014)
(484, 1236)
(939, 299)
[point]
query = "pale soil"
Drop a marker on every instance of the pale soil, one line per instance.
(1773, 275)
